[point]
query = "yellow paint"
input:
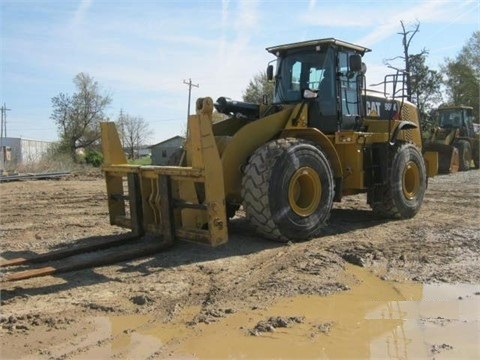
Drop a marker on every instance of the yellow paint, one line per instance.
(111, 147)
(243, 143)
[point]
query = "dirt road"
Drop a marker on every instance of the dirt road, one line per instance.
(192, 285)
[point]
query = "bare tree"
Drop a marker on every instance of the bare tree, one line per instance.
(78, 116)
(134, 132)
(407, 36)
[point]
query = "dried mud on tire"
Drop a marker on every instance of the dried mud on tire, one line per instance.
(440, 244)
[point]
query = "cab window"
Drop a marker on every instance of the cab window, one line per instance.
(348, 89)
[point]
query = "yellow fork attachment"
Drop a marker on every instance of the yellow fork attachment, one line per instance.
(174, 202)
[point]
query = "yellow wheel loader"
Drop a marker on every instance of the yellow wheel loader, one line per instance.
(324, 136)
(455, 139)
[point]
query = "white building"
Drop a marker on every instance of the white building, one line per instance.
(15, 151)
(162, 151)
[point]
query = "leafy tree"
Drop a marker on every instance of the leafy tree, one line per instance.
(134, 132)
(462, 76)
(77, 116)
(257, 88)
(425, 84)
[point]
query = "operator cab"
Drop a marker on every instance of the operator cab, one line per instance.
(328, 74)
(460, 117)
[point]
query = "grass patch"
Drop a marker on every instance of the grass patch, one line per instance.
(144, 160)
(50, 163)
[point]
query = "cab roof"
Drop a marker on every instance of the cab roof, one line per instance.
(319, 42)
(454, 107)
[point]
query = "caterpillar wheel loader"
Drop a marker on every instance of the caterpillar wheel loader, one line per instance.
(454, 139)
(324, 136)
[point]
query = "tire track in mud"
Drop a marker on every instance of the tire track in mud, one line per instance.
(258, 279)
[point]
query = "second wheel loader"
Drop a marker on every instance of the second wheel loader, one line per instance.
(455, 139)
(324, 136)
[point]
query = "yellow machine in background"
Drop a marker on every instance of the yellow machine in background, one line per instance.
(322, 137)
(455, 139)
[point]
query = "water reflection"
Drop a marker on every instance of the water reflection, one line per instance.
(376, 319)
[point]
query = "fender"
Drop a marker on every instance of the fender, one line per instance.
(404, 125)
(321, 139)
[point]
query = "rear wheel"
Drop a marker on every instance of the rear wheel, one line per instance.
(402, 196)
(288, 190)
(465, 154)
(476, 156)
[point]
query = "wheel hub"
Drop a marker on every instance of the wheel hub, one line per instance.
(411, 180)
(304, 191)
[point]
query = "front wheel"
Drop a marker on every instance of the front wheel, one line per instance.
(288, 190)
(402, 195)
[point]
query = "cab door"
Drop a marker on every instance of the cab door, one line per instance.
(348, 90)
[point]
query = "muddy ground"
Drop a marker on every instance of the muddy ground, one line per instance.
(46, 317)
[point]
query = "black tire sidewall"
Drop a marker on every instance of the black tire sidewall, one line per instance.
(290, 224)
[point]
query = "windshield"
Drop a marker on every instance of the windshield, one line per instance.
(301, 70)
(450, 118)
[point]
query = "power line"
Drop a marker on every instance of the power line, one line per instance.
(189, 83)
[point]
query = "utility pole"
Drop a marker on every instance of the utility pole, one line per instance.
(189, 83)
(122, 127)
(3, 133)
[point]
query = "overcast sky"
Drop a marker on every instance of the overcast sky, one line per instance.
(141, 52)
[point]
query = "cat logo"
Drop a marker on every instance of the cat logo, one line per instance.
(373, 108)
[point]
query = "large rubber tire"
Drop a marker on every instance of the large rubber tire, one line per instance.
(464, 154)
(288, 190)
(402, 196)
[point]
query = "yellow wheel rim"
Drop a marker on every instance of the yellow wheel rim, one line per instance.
(411, 180)
(304, 191)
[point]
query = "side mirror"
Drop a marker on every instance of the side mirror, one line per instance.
(270, 72)
(355, 63)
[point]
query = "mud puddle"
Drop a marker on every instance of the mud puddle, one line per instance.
(375, 319)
